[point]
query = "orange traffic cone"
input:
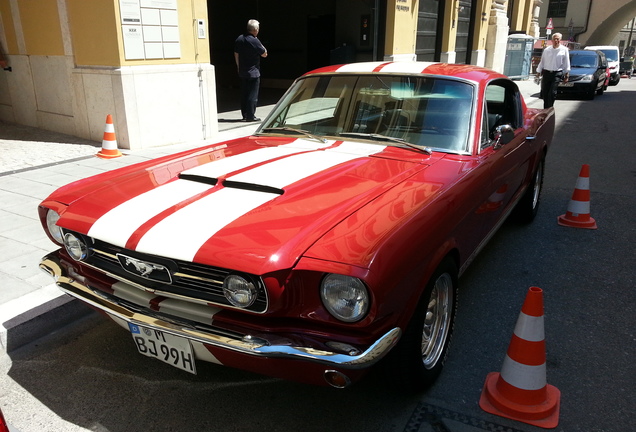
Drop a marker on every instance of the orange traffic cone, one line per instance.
(520, 392)
(578, 212)
(109, 143)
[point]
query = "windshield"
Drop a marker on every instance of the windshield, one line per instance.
(425, 111)
(583, 60)
(610, 54)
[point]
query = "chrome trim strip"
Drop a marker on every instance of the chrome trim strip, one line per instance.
(246, 344)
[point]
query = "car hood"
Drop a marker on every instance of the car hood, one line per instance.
(582, 71)
(254, 205)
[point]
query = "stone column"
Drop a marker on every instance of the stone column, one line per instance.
(535, 28)
(498, 29)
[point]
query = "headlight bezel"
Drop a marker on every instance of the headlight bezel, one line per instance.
(346, 298)
(76, 246)
(237, 285)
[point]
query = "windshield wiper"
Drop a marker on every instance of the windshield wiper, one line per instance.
(379, 137)
(296, 131)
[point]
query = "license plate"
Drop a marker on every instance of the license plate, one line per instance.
(567, 84)
(171, 349)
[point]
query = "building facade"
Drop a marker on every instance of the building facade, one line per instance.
(158, 66)
(589, 22)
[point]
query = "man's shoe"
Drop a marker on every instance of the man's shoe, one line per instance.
(255, 119)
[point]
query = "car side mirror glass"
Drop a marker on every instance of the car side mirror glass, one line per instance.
(503, 135)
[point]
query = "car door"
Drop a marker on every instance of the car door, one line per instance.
(508, 162)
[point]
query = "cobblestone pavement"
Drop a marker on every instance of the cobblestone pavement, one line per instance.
(24, 147)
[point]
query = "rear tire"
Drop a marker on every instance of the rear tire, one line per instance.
(418, 359)
(528, 205)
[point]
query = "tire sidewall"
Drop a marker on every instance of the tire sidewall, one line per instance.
(407, 368)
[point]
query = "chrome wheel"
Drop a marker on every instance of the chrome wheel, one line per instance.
(418, 359)
(536, 187)
(528, 205)
(437, 321)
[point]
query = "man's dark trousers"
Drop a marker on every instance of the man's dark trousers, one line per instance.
(549, 83)
(249, 97)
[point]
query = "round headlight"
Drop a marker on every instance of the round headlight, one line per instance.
(239, 291)
(75, 246)
(345, 297)
(51, 224)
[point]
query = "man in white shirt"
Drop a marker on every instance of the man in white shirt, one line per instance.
(554, 67)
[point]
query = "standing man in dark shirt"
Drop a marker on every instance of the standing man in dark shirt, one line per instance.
(248, 51)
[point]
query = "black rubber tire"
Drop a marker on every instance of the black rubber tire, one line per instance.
(600, 91)
(408, 367)
(528, 206)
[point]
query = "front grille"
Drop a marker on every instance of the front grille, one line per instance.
(191, 280)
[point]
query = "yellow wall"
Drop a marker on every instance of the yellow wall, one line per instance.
(94, 32)
(41, 27)
(97, 35)
(481, 25)
(450, 26)
(401, 23)
(517, 21)
(9, 29)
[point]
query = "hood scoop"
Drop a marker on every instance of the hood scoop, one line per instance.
(232, 184)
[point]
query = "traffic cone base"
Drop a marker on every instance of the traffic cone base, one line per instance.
(109, 143)
(104, 154)
(590, 223)
(544, 414)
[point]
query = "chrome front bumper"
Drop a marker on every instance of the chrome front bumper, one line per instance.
(246, 344)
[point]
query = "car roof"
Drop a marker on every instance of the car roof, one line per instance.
(597, 47)
(467, 72)
(585, 51)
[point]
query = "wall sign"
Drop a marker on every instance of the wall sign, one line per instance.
(150, 29)
(402, 6)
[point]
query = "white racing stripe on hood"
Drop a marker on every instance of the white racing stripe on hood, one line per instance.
(119, 223)
(284, 172)
(230, 164)
(181, 234)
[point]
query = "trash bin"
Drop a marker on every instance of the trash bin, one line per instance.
(518, 56)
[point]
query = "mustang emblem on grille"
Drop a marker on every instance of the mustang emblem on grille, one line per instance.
(145, 269)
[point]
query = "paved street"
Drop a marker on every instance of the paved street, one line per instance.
(88, 376)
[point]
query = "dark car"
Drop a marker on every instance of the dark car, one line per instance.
(588, 73)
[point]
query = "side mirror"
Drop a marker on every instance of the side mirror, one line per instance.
(503, 135)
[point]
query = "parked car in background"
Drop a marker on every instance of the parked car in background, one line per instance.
(613, 61)
(588, 73)
(330, 240)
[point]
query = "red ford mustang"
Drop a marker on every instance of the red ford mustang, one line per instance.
(331, 239)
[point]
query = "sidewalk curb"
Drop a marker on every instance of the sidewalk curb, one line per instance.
(21, 323)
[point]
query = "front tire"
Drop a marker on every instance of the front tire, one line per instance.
(600, 91)
(418, 359)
